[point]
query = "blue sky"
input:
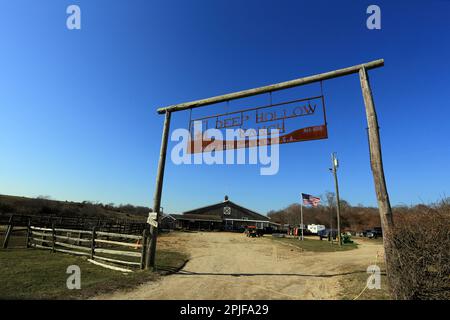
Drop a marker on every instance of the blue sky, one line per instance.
(77, 107)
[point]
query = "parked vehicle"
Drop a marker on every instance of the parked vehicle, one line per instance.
(378, 231)
(252, 231)
(327, 233)
(374, 233)
(297, 231)
(366, 232)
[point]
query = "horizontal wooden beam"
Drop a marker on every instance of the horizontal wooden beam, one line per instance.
(70, 238)
(127, 244)
(72, 246)
(109, 266)
(73, 252)
(117, 261)
(43, 234)
(72, 231)
(118, 235)
(41, 229)
(40, 246)
(272, 87)
(60, 250)
(119, 252)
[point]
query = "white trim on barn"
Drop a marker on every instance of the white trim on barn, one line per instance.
(250, 220)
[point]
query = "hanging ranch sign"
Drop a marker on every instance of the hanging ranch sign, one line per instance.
(294, 121)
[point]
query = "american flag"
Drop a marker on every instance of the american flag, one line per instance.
(309, 199)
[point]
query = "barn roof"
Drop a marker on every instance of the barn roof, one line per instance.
(229, 203)
(197, 217)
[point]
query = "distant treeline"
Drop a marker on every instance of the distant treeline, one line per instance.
(43, 205)
(352, 218)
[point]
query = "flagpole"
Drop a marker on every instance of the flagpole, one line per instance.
(301, 217)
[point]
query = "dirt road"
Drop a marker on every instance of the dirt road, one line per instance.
(232, 266)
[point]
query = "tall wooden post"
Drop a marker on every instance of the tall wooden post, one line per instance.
(376, 161)
(158, 191)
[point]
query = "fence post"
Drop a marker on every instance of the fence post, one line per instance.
(93, 244)
(143, 248)
(53, 237)
(8, 232)
(80, 235)
(28, 233)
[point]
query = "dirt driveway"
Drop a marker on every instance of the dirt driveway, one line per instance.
(232, 266)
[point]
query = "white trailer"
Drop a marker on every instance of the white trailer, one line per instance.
(315, 228)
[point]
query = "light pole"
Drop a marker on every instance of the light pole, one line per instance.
(335, 165)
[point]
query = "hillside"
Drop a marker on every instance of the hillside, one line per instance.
(47, 207)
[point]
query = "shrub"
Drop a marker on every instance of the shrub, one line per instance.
(419, 254)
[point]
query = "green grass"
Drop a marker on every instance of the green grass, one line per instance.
(315, 245)
(352, 285)
(41, 274)
(17, 238)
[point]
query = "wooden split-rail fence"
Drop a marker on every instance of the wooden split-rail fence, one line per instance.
(101, 248)
(92, 238)
(77, 222)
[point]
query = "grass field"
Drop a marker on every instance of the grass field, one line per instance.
(315, 245)
(40, 274)
(352, 284)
